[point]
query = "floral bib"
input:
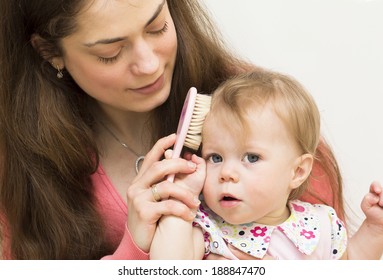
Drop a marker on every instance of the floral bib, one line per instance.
(304, 229)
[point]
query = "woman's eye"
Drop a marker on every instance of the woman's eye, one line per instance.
(162, 30)
(107, 60)
(215, 158)
(251, 158)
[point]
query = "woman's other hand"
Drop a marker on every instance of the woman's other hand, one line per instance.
(146, 205)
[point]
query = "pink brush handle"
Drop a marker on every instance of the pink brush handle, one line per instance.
(183, 125)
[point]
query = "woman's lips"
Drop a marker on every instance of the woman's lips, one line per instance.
(157, 85)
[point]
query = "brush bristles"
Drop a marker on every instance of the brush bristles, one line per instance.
(194, 134)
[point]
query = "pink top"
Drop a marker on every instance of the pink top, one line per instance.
(114, 212)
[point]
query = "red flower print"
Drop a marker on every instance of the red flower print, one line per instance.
(203, 210)
(307, 234)
(258, 231)
(298, 208)
(206, 236)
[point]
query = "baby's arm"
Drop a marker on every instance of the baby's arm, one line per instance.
(367, 242)
(176, 238)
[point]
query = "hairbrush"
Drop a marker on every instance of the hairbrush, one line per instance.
(189, 129)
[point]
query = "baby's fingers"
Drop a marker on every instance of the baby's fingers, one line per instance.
(369, 201)
(377, 190)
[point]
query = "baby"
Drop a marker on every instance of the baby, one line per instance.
(259, 142)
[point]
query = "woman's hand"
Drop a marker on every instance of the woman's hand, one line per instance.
(143, 209)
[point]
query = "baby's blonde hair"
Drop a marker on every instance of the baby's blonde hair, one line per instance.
(236, 97)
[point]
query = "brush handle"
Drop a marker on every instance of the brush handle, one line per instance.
(183, 125)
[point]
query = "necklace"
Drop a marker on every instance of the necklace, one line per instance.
(139, 158)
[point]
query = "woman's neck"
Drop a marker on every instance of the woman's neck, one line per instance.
(129, 128)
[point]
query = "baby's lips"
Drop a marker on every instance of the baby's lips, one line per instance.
(228, 197)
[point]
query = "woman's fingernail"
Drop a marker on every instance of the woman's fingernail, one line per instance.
(192, 165)
(197, 201)
(192, 214)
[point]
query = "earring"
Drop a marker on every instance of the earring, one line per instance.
(59, 74)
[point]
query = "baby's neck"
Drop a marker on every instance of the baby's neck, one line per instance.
(276, 218)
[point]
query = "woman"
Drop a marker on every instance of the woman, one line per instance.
(87, 88)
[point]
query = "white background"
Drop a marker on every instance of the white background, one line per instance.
(335, 49)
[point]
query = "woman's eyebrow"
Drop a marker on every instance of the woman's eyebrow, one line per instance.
(105, 41)
(157, 12)
(118, 39)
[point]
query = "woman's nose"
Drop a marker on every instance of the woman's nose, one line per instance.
(144, 59)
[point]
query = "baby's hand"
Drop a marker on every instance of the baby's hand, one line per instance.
(193, 181)
(372, 205)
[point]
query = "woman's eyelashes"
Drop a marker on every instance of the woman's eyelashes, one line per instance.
(112, 59)
(161, 31)
(107, 60)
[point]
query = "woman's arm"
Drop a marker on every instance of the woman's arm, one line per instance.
(127, 250)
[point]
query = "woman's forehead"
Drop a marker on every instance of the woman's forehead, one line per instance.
(115, 18)
(108, 12)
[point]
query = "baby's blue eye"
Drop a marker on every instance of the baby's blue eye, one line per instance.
(251, 158)
(215, 158)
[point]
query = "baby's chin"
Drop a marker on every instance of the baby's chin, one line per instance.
(234, 219)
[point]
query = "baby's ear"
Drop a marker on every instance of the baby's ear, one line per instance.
(47, 51)
(302, 169)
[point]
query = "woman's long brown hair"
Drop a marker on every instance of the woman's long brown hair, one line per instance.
(45, 192)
